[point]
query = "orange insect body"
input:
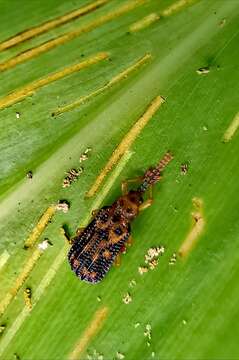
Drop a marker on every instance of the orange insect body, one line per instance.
(96, 247)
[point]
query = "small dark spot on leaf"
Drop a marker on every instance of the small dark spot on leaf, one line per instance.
(184, 169)
(203, 70)
(29, 174)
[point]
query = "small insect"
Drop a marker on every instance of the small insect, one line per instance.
(96, 247)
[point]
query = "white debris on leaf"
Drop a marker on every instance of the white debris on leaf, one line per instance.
(173, 259)
(142, 269)
(71, 176)
(95, 356)
(119, 355)
(132, 283)
(43, 245)
(84, 156)
(153, 253)
(62, 206)
(203, 70)
(184, 169)
(153, 263)
(127, 298)
(147, 332)
(151, 259)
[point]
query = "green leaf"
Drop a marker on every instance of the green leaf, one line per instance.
(185, 308)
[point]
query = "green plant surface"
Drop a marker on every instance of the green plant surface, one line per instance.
(191, 305)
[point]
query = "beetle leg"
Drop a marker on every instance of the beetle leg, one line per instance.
(117, 261)
(79, 231)
(124, 184)
(66, 235)
(72, 240)
(149, 201)
(145, 204)
(94, 212)
(129, 242)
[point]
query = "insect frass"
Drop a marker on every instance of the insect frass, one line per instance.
(96, 247)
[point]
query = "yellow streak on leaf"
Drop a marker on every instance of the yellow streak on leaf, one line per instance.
(31, 53)
(232, 128)
(92, 329)
(50, 274)
(38, 229)
(45, 282)
(29, 89)
(126, 142)
(30, 263)
(4, 258)
(176, 7)
(145, 22)
(193, 236)
(37, 30)
(116, 79)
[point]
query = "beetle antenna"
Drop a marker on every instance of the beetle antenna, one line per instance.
(153, 175)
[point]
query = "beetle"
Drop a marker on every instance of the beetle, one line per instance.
(95, 248)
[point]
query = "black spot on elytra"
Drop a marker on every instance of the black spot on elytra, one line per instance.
(129, 210)
(103, 234)
(118, 231)
(116, 218)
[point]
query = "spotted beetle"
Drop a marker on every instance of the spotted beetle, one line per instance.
(96, 247)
